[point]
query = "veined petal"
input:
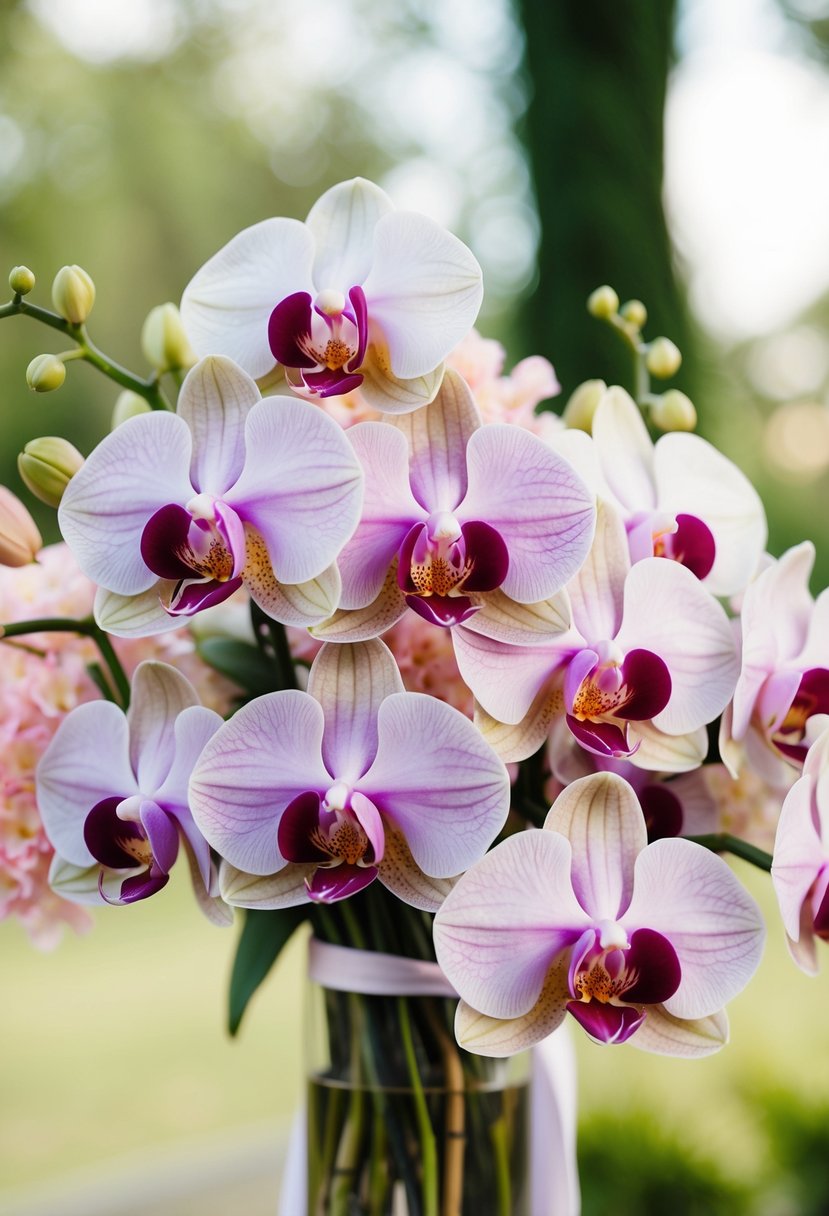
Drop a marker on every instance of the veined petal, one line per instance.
(360, 624)
(437, 781)
(159, 694)
(507, 920)
(216, 398)
(663, 753)
(301, 487)
(424, 290)
(400, 873)
(625, 450)
(504, 679)
(136, 616)
(488, 1036)
(192, 730)
(597, 591)
(537, 502)
(86, 761)
(351, 682)
(505, 620)
(517, 741)
(690, 1038)
(342, 222)
(382, 390)
(78, 884)
(601, 817)
(437, 436)
(299, 604)
(258, 762)
(226, 305)
(283, 890)
(210, 902)
(799, 854)
(141, 466)
(691, 896)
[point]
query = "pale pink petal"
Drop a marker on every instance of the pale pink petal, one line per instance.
(437, 781)
(437, 436)
(86, 761)
(382, 390)
(159, 694)
(799, 854)
(194, 727)
(207, 896)
(215, 400)
(625, 450)
(298, 604)
(507, 920)
(667, 1035)
(505, 679)
(815, 652)
(401, 874)
(360, 624)
(505, 620)
(601, 817)
(342, 223)
(258, 762)
(517, 741)
(662, 753)
(301, 487)
(351, 682)
(597, 591)
(538, 503)
(668, 612)
(693, 478)
(227, 304)
(389, 510)
(136, 616)
(141, 466)
(691, 896)
(490, 1036)
(424, 291)
(286, 889)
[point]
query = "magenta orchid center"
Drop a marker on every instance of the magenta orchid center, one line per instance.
(321, 343)
(605, 688)
(812, 697)
(130, 833)
(442, 561)
(200, 547)
(340, 834)
(684, 539)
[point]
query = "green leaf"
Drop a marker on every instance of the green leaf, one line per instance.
(240, 662)
(263, 936)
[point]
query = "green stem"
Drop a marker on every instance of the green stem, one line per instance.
(86, 628)
(353, 926)
(722, 842)
(428, 1146)
(503, 1185)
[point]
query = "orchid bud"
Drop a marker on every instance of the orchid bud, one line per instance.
(46, 467)
(673, 411)
(73, 294)
(603, 303)
(21, 280)
(163, 340)
(663, 358)
(20, 541)
(635, 313)
(579, 410)
(45, 373)
(128, 405)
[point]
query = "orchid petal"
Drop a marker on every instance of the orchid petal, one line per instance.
(400, 874)
(210, 902)
(159, 694)
(286, 889)
(136, 616)
(505, 620)
(512, 743)
(690, 895)
(192, 730)
(537, 502)
(507, 920)
(301, 487)
(606, 1024)
(351, 683)
(667, 1035)
(86, 762)
(216, 398)
(597, 591)
(341, 882)
(424, 291)
(78, 884)
(625, 450)
(505, 679)
(662, 753)
(141, 466)
(601, 817)
(693, 478)
(437, 436)
(226, 305)
(488, 1036)
(342, 222)
(361, 624)
(667, 611)
(798, 853)
(258, 762)
(298, 604)
(815, 651)
(437, 781)
(162, 834)
(382, 390)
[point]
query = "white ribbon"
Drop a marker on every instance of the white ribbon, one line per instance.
(554, 1179)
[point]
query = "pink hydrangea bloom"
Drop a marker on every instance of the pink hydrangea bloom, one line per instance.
(512, 397)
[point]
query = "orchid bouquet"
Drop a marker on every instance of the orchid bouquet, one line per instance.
(473, 688)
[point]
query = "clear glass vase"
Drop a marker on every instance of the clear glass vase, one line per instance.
(403, 1122)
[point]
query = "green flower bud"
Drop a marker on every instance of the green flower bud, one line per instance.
(21, 280)
(46, 467)
(579, 410)
(673, 411)
(73, 294)
(163, 340)
(603, 303)
(635, 313)
(663, 358)
(128, 405)
(20, 540)
(45, 373)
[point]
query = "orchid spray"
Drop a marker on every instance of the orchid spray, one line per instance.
(436, 579)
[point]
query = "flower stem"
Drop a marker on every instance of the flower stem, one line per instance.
(722, 842)
(86, 628)
(428, 1146)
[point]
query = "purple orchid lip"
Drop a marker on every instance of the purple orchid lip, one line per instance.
(325, 350)
(335, 842)
(692, 545)
(614, 984)
(435, 575)
(120, 844)
(812, 697)
(607, 1023)
(205, 559)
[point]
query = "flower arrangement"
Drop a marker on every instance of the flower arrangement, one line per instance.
(512, 682)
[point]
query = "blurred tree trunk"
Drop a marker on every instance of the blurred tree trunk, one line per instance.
(597, 73)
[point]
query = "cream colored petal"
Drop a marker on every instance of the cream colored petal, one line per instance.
(299, 604)
(283, 890)
(505, 1036)
(401, 874)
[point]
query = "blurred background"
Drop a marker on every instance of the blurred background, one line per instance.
(678, 151)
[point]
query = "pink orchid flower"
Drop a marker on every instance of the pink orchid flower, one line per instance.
(782, 694)
(112, 793)
(637, 942)
(313, 795)
(172, 513)
(637, 658)
(454, 510)
(359, 296)
(800, 870)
